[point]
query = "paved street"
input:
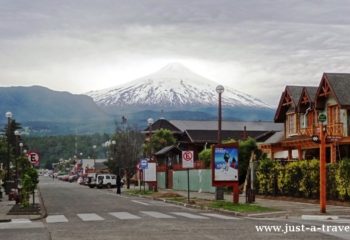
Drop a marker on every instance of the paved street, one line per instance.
(78, 212)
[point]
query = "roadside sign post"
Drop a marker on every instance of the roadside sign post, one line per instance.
(143, 166)
(322, 118)
(188, 162)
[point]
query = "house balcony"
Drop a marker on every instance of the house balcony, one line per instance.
(335, 129)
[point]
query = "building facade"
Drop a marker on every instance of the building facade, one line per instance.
(299, 110)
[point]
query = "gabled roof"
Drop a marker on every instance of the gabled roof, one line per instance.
(163, 124)
(289, 98)
(339, 84)
(307, 98)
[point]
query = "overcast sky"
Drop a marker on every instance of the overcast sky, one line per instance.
(255, 46)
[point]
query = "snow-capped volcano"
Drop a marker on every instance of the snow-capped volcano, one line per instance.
(172, 86)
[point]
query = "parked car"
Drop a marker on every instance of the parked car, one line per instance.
(106, 180)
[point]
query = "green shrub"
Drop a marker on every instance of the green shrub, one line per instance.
(343, 179)
(310, 176)
(332, 192)
(266, 176)
(293, 175)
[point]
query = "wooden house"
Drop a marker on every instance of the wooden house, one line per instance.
(298, 110)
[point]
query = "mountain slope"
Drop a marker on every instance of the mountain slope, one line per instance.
(42, 104)
(173, 86)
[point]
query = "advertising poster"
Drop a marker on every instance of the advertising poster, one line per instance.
(150, 172)
(225, 163)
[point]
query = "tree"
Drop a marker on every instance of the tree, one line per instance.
(205, 156)
(125, 153)
(29, 184)
(246, 148)
(160, 139)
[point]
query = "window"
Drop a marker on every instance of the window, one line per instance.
(108, 177)
(333, 114)
(291, 124)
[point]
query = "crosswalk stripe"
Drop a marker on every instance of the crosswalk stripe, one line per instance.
(124, 215)
(21, 225)
(189, 215)
(156, 214)
(21, 220)
(219, 216)
(90, 217)
(56, 219)
(143, 203)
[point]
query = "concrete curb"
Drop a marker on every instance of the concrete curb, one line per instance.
(187, 205)
(319, 217)
(43, 211)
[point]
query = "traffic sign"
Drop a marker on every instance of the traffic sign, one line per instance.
(143, 164)
(322, 117)
(33, 158)
(187, 159)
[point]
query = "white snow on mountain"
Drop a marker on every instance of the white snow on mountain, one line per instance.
(174, 86)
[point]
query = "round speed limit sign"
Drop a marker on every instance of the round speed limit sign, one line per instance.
(187, 159)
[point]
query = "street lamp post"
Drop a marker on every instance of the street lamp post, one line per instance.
(114, 157)
(9, 117)
(94, 153)
(18, 153)
(150, 122)
(219, 193)
(219, 89)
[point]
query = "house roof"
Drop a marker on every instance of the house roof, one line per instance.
(311, 92)
(211, 136)
(289, 98)
(340, 85)
(167, 149)
(206, 131)
(275, 138)
(226, 125)
(163, 124)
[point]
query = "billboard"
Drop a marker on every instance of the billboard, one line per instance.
(150, 172)
(224, 164)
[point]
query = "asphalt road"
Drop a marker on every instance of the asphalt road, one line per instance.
(78, 212)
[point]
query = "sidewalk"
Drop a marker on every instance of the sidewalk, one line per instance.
(283, 208)
(6, 206)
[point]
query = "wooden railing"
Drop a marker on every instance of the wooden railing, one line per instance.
(335, 129)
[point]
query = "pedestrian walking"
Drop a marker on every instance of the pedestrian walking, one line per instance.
(119, 185)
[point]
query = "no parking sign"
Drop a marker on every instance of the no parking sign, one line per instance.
(187, 159)
(33, 158)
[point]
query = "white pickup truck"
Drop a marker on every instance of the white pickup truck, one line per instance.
(102, 180)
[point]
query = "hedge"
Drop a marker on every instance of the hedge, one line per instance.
(302, 178)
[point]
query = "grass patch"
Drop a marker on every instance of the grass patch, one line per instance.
(240, 207)
(138, 192)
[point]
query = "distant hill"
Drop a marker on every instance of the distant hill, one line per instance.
(45, 111)
(174, 93)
